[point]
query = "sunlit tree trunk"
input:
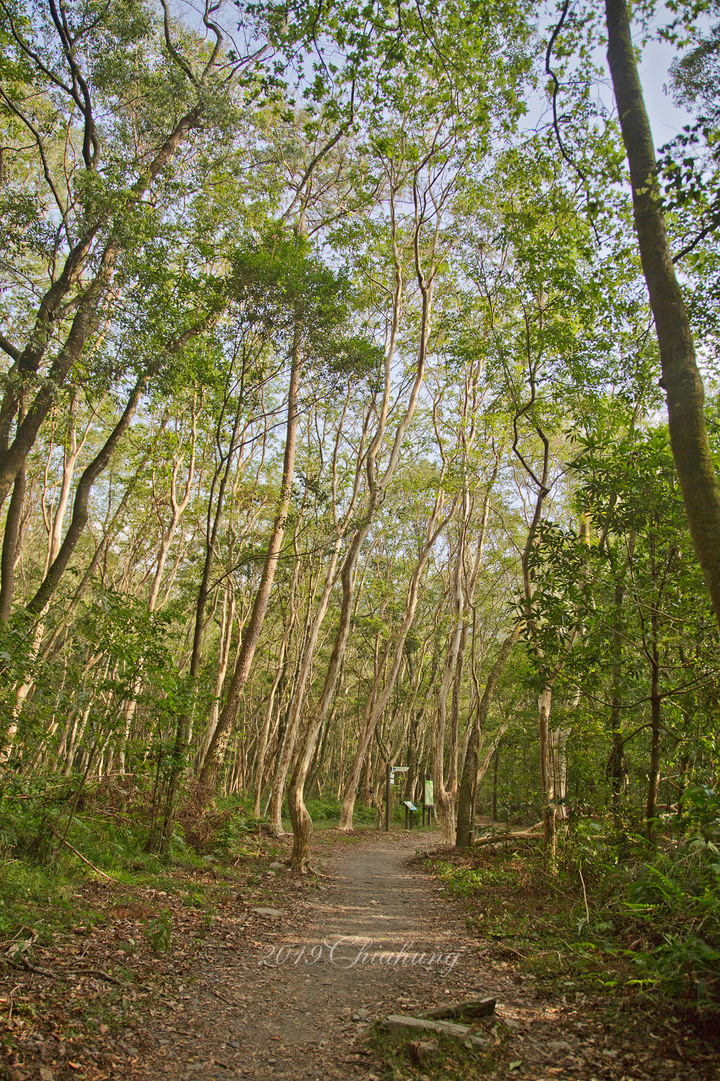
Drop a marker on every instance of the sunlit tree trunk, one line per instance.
(383, 684)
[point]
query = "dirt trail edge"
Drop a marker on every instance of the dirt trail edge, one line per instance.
(292, 994)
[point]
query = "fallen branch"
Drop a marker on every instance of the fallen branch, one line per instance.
(97, 972)
(529, 834)
(499, 838)
(80, 855)
(32, 968)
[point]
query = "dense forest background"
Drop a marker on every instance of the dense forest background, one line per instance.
(333, 433)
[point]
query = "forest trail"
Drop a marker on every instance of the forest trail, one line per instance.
(375, 938)
(294, 995)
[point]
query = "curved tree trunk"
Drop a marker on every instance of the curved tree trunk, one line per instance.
(298, 700)
(377, 699)
(86, 315)
(81, 503)
(11, 545)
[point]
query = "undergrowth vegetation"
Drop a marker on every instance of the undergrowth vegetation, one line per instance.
(56, 835)
(617, 913)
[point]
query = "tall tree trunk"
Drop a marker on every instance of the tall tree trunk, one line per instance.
(651, 810)
(681, 379)
(84, 320)
(445, 793)
(210, 773)
(81, 503)
(547, 788)
(298, 700)
(378, 699)
(11, 545)
(616, 767)
(264, 739)
(470, 774)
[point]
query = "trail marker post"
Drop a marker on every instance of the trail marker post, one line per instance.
(428, 806)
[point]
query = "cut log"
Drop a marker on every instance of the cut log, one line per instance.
(413, 1027)
(475, 1007)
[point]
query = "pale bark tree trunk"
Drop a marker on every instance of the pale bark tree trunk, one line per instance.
(11, 544)
(651, 810)
(298, 700)
(547, 787)
(81, 502)
(300, 818)
(377, 486)
(84, 320)
(558, 750)
(178, 507)
(264, 741)
(446, 789)
(617, 766)
(681, 378)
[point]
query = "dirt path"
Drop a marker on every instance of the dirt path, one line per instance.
(373, 939)
(294, 996)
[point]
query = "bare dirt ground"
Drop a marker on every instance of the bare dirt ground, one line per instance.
(291, 992)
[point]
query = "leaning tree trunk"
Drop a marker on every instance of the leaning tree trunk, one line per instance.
(681, 379)
(445, 794)
(651, 809)
(298, 700)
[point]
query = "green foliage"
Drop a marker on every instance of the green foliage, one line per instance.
(327, 809)
(620, 913)
(158, 932)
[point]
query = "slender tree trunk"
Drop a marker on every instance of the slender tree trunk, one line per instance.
(681, 378)
(81, 503)
(377, 486)
(286, 753)
(84, 320)
(496, 767)
(264, 741)
(547, 788)
(558, 752)
(445, 793)
(377, 699)
(651, 810)
(616, 767)
(210, 773)
(470, 774)
(226, 634)
(11, 545)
